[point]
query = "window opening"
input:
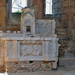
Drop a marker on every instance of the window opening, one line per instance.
(17, 5)
(48, 7)
(28, 29)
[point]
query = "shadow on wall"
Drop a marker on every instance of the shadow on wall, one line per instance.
(15, 18)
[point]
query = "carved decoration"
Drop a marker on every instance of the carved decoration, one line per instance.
(31, 42)
(34, 50)
(44, 27)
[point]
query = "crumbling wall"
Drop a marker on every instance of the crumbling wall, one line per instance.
(64, 11)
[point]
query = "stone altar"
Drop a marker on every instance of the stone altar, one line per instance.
(34, 48)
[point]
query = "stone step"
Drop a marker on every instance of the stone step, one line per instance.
(63, 41)
(60, 29)
(58, 24)
(62, 45)
(62, 33)
(38, 73)
(61, 37)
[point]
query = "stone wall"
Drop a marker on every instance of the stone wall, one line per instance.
(38, 6)
(14, 22)
(28, 66)
(2, 14)
(5, 12)
(64, 11)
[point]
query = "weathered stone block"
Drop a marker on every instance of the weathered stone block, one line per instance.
(71, 2)
(2, 12)
(27, 66)
(65, 3)
(74, 17)
(63, 17)
(61, 10)
(3, 23)
(70, 17)
(72, 10)
(2, 3)
(67, 62)
(57, 5)
(55, 1)
(55, 11)
(72, 24)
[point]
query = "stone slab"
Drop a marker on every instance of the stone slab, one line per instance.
(67, 62)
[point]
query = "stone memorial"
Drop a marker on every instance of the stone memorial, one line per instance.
(34, 48)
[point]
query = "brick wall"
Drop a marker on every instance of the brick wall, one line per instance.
(64, 11)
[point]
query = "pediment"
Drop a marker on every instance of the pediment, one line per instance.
(28, 16)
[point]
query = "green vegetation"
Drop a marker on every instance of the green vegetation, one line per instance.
(19, 11)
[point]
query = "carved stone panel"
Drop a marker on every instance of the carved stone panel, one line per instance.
(43, 27)
(30, 50)
(11, 49)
